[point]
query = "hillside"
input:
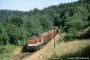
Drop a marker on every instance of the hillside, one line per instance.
(72, 48)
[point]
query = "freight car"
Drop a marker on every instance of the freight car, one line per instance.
(37, 41)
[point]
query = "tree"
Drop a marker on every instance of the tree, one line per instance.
(13, 32)
(46, 22)
(36, 24)
(33, 25)
(23, 35)
(82, 12)
(57, 20)
(3, 36)
(66, 18)
(17, 21)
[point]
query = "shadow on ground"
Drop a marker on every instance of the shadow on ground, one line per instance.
(24, 49)
(85, 35)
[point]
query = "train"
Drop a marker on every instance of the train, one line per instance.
(38, 41)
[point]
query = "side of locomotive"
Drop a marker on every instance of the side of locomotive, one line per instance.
(36, 42)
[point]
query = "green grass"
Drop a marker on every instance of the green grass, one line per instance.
(72, 50)
(6, 51)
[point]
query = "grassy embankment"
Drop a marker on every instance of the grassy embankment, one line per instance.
(8, 51)
(71, 49)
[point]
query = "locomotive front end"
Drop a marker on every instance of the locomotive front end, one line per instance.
(31, 44)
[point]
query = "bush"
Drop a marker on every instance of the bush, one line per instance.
(6, 51)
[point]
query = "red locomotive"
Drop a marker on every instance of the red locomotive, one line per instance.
(37, 41)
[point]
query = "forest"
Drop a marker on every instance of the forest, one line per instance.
(19, 25)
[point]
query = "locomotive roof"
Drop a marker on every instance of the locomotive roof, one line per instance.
(45, 33)
(51, 30)
(35, 36)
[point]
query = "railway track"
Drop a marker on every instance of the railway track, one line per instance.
(23, 55)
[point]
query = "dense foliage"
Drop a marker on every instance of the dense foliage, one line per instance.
(18, 25)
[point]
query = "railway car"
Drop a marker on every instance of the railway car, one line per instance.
(36, 42)
(51, 34)
(45, 37)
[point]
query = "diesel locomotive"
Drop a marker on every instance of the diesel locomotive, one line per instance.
(37, 41)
